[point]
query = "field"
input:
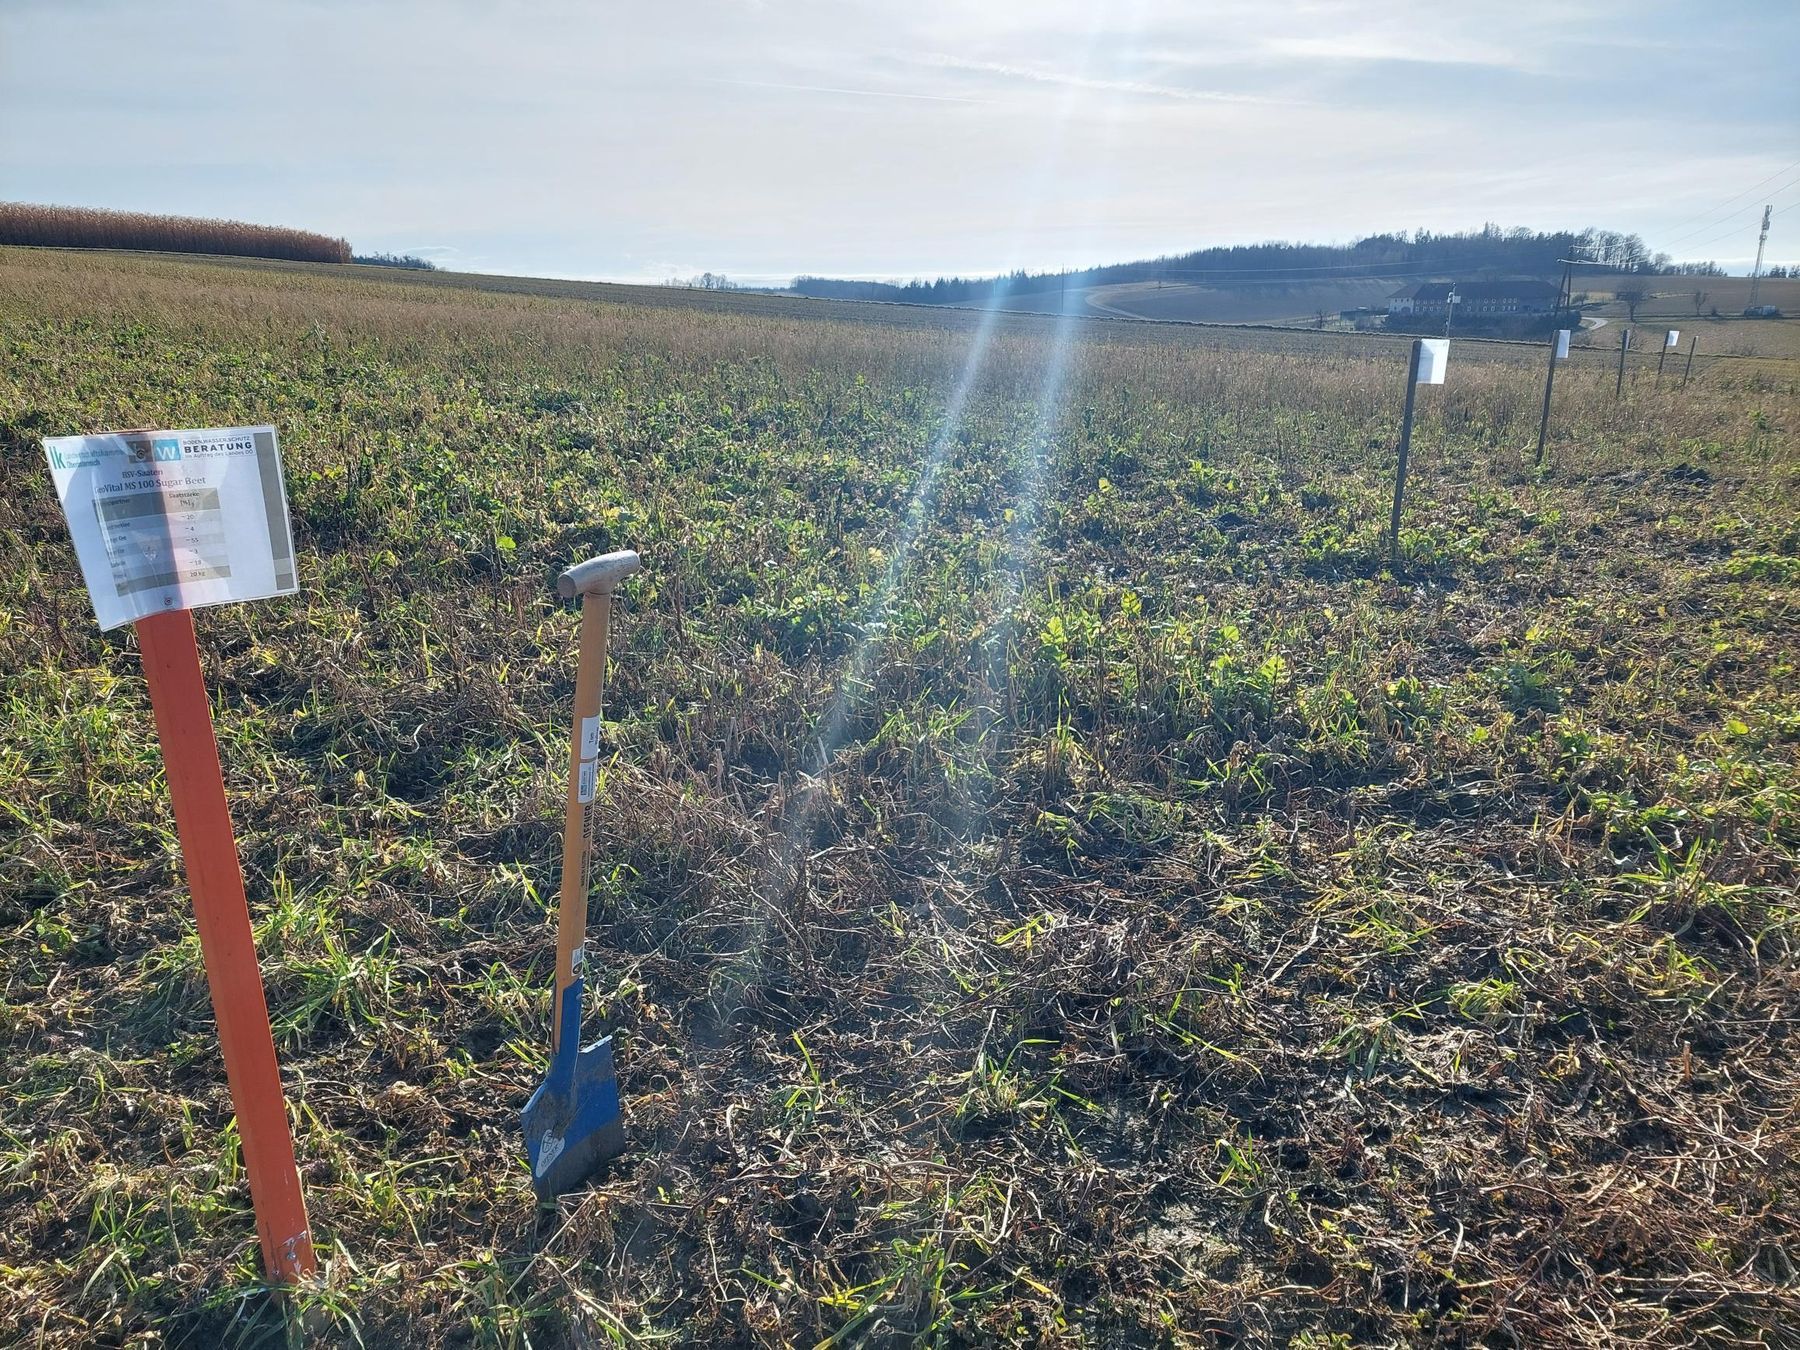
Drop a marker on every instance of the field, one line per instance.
(1772, 343)
(1057, 883)
(1669, 303)
(1244, 302)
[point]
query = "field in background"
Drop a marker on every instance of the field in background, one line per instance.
(1266, 302)
(1596, 349)
(1025, 314)
(1669, 303)
(1056, 882)
(1673, 297)
(1028, 315)
(1183, 302)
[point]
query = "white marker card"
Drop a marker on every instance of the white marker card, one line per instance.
(175, 519)
(1562, 344)
(1434, 356)
(1673, 337)
(590, 737)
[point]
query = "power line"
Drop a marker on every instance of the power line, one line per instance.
(1148, 269)
(1416, 264)
(1732, 226)
(1738, 224)
(1726, 233)
(1372, 268)
(1732, 211)
(1729, 201)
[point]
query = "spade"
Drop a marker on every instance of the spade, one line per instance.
(573, 1123)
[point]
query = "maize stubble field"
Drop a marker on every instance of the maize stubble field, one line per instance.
(1056, 882)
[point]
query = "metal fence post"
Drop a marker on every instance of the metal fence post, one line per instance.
(1406, 424)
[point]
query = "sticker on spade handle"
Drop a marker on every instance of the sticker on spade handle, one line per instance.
(166, 520)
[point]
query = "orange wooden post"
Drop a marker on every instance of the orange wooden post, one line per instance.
(215, 878)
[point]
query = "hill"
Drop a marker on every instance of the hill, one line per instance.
(1488, 252)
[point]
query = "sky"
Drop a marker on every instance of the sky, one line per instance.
(764, 138)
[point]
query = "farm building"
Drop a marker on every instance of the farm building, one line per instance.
(1475, 298)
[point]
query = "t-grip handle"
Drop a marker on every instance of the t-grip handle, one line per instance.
(598, 576)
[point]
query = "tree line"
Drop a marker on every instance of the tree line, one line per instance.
(91, 227)
(1471, 254)
(706, 281)
(403, 260)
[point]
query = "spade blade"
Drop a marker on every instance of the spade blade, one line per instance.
(573, 1124)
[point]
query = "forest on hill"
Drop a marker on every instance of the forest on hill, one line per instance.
(1489, 251)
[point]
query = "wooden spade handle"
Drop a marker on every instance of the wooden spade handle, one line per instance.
(584, 768)
(593, 581)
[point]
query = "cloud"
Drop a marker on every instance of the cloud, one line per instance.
(1097, 84)
(867, 137)
(860, 93)
(1413, 47)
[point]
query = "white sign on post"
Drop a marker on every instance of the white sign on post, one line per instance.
(1673, 337)
(1562, 344)
(175, 519)
(1434, 355)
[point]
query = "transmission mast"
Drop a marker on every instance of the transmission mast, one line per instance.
(1756, 271)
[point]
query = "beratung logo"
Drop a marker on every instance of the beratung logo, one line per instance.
(144, 449)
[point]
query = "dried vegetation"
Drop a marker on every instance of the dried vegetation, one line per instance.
(26, 223)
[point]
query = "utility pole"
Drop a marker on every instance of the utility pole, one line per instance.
(1558, 347)
(1565, 298)
(1624, 346)
(1756, 271)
